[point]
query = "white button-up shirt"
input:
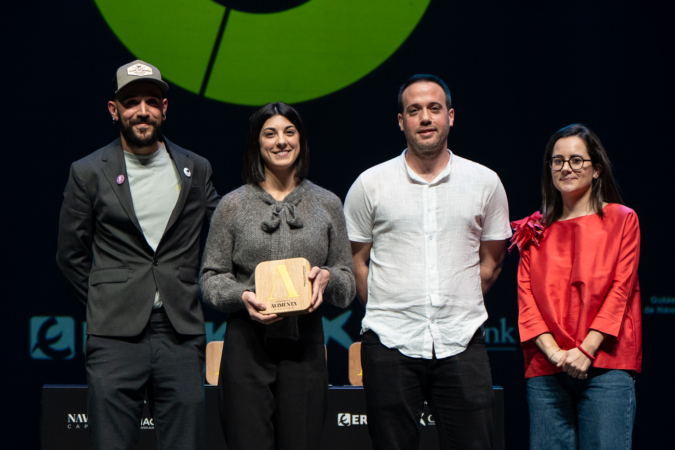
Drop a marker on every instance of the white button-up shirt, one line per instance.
(424, 288)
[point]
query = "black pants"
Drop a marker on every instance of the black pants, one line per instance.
(272, 392)
(458, 390)
(170, 366)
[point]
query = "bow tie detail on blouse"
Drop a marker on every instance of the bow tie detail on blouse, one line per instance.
(276, 212)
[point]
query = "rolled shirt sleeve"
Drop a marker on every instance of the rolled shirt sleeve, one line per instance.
(496, 224)
(359, 213)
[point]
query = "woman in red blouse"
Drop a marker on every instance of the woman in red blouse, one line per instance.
(579, 301)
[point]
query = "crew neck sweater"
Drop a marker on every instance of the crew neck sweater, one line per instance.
(155, 186)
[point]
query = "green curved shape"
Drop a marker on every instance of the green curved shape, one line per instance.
(176, 36)
(296, 55)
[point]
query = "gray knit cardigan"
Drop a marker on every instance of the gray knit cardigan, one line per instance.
(249, 226)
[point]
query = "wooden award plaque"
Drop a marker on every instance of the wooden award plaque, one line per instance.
(283, 286)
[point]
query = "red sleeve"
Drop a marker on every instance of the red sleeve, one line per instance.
(530, 321)
(610, 315)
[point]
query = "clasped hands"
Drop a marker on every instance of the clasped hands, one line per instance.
(573, 362)
(319, 278)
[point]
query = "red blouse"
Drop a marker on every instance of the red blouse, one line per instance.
(583, 276)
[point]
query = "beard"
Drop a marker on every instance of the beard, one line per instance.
(427, 148)
(134, 140)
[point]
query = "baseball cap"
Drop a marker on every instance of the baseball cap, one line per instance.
(138, 71)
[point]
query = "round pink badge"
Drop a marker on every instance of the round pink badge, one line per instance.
(120, 179)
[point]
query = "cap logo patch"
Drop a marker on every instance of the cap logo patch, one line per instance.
(139, 70)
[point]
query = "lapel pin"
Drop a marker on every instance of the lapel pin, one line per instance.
(120, 179)
(187, 172)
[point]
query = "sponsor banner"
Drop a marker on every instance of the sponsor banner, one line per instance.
(502, 337)
(66, 424)
(349, 419)
(80, 421)
(660, 305)
(52, 337)
(77, 421)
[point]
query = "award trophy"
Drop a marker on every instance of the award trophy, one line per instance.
(283, 286)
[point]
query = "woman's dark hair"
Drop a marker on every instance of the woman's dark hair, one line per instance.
(603, 189)
(254, 168)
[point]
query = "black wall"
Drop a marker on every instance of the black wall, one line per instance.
(518, 72)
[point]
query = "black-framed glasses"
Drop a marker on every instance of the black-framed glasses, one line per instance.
(575, 162)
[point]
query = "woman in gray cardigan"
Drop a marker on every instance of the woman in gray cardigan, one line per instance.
(273, 381)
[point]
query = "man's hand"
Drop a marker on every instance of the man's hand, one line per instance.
(253, 306)
(320, 278)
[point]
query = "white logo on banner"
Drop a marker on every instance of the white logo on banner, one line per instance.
(430, 420)
(139, 70)
(147, 423)
(347, 419)
(76, 421)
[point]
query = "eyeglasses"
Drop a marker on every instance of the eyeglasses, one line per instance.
(575, 162)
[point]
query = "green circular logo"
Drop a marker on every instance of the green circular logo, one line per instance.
(251, 58)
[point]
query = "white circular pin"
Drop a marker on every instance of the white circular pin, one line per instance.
(187, 172)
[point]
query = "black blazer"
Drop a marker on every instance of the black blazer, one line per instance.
(104, 255)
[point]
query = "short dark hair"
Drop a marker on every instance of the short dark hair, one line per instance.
(420, 77)
(254, 168)
(603, 189)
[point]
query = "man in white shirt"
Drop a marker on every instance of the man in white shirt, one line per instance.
(428, 231)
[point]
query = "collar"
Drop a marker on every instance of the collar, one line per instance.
(445, 173)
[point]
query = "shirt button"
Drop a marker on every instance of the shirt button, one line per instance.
(155, 263)
(431, 238)
(431, 320)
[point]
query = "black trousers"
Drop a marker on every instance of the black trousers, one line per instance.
(458, 390)
(169, 366)
(273, 393)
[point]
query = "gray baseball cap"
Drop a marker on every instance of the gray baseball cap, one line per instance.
(138, 71)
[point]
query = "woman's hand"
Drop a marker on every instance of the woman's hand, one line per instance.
(320, 278)
(557, 356)
(575, 363)
(253, 306)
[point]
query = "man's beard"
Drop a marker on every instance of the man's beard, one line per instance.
(427, 148)
(133, 140)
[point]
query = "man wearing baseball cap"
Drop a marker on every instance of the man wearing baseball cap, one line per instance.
(128, 246)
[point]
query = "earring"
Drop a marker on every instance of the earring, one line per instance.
(163, 116)
(114, 120)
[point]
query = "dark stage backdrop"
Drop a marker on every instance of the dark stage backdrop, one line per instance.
(518, 72)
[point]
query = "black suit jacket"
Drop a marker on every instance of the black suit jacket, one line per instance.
(104, 255)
